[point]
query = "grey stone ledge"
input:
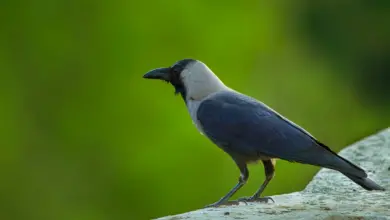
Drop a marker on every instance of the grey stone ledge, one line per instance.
(329, 196)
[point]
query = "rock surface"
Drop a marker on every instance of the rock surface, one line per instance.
(329, 196)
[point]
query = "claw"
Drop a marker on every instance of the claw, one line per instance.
(252, 199)
(214, 205)
(218, 204)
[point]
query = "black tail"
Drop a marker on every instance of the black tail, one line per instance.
(350, 170)
(343, 165)
(365, 182)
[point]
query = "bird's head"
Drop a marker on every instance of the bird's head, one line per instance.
(191, 78)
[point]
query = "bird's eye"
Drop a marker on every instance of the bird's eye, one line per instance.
(176, 69)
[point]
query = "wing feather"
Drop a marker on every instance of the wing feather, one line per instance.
(244, 126)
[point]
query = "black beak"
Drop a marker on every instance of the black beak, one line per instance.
(159, 73)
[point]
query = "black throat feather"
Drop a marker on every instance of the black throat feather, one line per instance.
(176, 80)
(181, 89)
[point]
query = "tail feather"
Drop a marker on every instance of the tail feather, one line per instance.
(365, 182)
(343, 165)
(350, 170)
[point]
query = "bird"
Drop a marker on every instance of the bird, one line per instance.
(248, 130)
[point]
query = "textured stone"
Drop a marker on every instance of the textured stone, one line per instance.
(329, 196)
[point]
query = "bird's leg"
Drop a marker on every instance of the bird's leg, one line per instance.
(241, 182)
(269, 169)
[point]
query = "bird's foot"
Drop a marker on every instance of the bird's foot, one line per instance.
(256, 199)
(222, 203)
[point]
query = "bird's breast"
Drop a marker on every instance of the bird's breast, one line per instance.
(192, 106)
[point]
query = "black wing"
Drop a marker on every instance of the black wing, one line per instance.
(246, 127)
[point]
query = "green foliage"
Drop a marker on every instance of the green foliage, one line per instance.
(83, 136)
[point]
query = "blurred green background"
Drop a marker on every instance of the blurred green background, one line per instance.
(84, 136)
